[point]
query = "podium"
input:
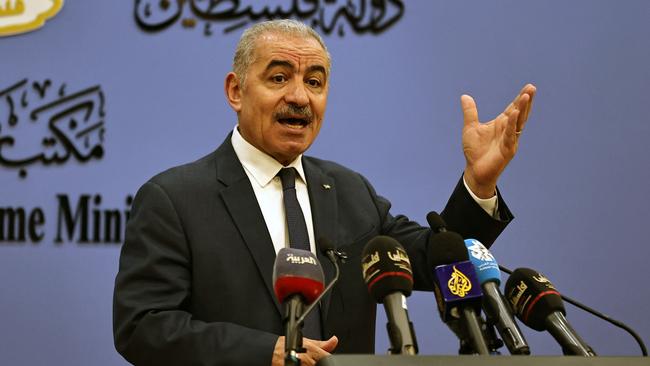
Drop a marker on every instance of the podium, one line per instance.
(372, 360)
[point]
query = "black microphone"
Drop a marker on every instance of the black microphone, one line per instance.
(598, 314)
(436, 222)
(538, 304)
(387, 272)
(326, 247)
(496, 310)
(456, 287)
(298, 281)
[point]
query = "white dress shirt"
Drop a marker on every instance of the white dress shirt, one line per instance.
(489, 205)
(262, 171)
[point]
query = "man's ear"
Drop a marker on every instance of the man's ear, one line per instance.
(232, 88)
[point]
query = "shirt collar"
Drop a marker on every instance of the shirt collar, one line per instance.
(258, 164)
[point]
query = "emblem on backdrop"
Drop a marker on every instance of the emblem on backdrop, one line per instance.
(326, 16)
(21, 16)
(46, 124)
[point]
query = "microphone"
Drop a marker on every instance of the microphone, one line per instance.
(327, 248)
(538, 304)
(387, 272)
(496, 310)
(456, 286)
(598, 314)
(298, 281)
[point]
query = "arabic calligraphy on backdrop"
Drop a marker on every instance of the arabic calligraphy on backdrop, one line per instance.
(359, 16)
(41, 123)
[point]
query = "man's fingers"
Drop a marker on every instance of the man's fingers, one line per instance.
(312, 356)
(531, 90)
(523, 105)
(528, 89)
(512, 130)
(318, 349)
(306, 359)
(330, 344)
(513, 106)
(470, 113)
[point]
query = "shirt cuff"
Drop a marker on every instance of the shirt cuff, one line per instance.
(489, 205)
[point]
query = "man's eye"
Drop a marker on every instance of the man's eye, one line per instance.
(279, 78)
(314, 82)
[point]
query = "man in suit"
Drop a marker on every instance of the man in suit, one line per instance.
(194, 283)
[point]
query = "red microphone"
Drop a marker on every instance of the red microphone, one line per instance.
(298, 281)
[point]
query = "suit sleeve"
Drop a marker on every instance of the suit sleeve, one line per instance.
(462, 215)
(466, 217)
(151, 321)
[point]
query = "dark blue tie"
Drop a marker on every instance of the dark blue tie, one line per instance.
(298, 238)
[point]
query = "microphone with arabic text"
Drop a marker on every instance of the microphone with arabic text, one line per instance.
(495, 308)
(457, 290)
(298, 281)
(388, 275)
(326, 247)
(598, 314)
(538, 304)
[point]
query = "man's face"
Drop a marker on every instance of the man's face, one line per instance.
(282, 104)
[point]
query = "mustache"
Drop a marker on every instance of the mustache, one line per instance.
(294, 111)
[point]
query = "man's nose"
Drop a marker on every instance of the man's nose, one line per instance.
(297, 94)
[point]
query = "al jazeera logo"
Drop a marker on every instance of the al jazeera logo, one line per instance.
(21, 16)
(459, 284)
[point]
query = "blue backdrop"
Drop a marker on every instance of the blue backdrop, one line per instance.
(130, 95)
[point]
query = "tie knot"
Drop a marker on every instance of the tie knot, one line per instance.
(288, 177)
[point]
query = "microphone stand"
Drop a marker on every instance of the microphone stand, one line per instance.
(469, 322)
(293, 339)
(598, 314)
(291, 353)
(331, 255)
(493, 341)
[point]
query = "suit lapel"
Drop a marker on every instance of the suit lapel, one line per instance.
(239, 198)
(322, 198)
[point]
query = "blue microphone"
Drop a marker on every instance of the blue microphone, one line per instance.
(456, 286)
(496, 310)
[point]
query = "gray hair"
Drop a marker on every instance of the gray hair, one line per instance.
(245, 51)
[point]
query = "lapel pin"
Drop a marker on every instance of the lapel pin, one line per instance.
(327, 186)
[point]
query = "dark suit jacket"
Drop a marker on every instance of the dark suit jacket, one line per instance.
(194, 283)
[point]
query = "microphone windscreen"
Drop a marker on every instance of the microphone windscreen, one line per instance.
(436, 223)
(386, 268)
(533, 297)
(455, 279)
(445, 248)
(297, 271)
(325, 245)
(487, 268)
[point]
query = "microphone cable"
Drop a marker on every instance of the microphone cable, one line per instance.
(332, 255)
(598, 314)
